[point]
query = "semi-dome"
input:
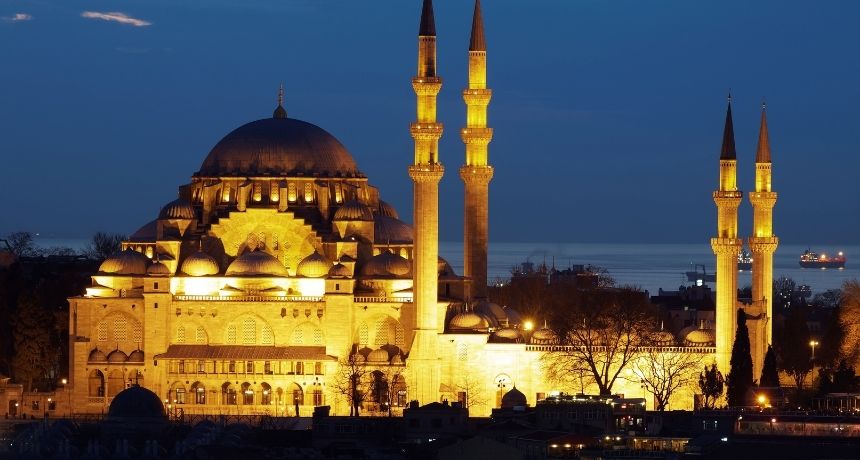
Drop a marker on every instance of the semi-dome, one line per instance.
(378, 356)
(339, 270)
(117, 356)
(158, 269)
(313, 266)
(256, 263)
(279, 146)
(390, 230)
(468, 321)
(514, 398)
(387, 265)
(177, 209)
(700, 338)
(97, 356)
(127, 262)
(387, 210)
(354, 210)
(200, 264)
(136, 356)
(136, 402)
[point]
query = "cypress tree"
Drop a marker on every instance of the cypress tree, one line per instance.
(769, 374)
(740, 378)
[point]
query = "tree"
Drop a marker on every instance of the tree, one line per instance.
(663, 373)
(469, 391)
(769, 374)
(103, 245)
(783, 293)
(22, 244)
(740, 378)
(711, 384)
(601, 331)
(351, 381)
(849, 318)
(794, 352)
(32, 341)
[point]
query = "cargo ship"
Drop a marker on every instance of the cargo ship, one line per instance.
(811, 259)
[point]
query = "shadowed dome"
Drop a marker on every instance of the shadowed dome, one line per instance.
(256, 263)
(136, 356)
(390, 230)
(339, 270)
(544, 336)
(387, 210)
(279, 146)
(117, 356)
(507, 335)
(514, 398)
(128, 262)
(97, 356)
(378, 356)
(177, 209)
(468, 321)
(158, 269)
(492, 311)
(387, 265)
(354, 210)
(200, 264)
(313, 266)
(136, 402)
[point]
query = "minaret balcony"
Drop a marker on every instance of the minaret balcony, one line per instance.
(477, 96)
(763, 199)
(426, 131)
(481, 136)
(763, 244)
(426, 86)
(726, 246)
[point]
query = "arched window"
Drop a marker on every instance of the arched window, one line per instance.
(102, 332)
(115, 382)
(231, 334)
(298, 395)
(228, 394)
(179, 395)
(136, 333)
(309, 192)
(266, 396)
(363, 334)
(318, 336)
(96, 383)
(180, 334)
(249, 331)
(200, 335)
(292, 196)
(247, 394)
(120, 330)
(266, 336)
(198, 393)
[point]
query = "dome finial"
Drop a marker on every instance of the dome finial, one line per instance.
(280, 112)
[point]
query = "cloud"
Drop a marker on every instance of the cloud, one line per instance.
(18, 17)
(115, 16)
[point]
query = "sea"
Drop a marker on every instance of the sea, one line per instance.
(647, 266)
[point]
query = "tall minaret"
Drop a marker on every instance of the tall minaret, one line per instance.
(727, 246)
(426, 172)
(476, 173)
(763, 243)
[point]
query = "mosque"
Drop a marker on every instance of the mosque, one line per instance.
(279, 264)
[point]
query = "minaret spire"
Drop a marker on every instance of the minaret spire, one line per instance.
(280, 112)
(762, 154)
(727, 152)
(427, 27)
(476, 172)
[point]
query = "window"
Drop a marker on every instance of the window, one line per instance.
(362, 334)
(200, 335)
(249, 367)
(309, 192)
(267, 367)
(318, 336)
(266, 336)
(201, 367)
(337, 286)
(318, 397)
(300, 368)
(231, 334)
(180, 396)
(181, 366)
(291, 192)
(249, 331)
(199, 394)
(318, 368)
(231, 367)
(180, 334)
(102, 332)
(136, 332)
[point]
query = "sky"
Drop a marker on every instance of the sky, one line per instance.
(608, 115)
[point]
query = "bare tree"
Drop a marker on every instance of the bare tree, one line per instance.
(662, 373)
(469, 392)
(103, 245)
(602, 331)
(351, 381)
(21, 244)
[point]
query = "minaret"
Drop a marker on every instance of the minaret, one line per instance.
(426, 172)
(762, 242)
(476, 173)
(727, 246)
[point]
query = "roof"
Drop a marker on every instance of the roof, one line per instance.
(427, 28)
(477, 42)
(762, 154)
(727, 152)
(245, 352)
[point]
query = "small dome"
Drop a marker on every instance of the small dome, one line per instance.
(128, 262)
(354, 210)
(390, 230)
(514, 398)
(177, 209)
(148, 232)
(468, 321)
(492, 311)
(378, 356)
(387, 265)
(445, 269)
(507, 335)
(396, 359)
(700, 338)
(387, 210)
(136, 402)
(664, 338)
(256, 263)
(313, 266)
(544, 336)
(158, 269)
(339, 270)
(117, 356)
(97, 356)
(200, 264)
(136, 356)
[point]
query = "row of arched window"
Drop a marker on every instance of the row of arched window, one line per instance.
(245, 394)
(249, 332)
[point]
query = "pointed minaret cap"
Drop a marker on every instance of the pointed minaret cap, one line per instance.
(427, 28)
(477, 42)
(728, 150)
(280, 111)
(762, 154)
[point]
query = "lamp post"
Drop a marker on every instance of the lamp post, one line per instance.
(69, 395)
(813, 344)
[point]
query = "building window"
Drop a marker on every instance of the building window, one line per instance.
(249, 331)
(273, 192)
(258, 192)
(200, 335)
(231, 368)
(309, 192)
(225, 195)
(267, 367)
(155, 286)
(102, 332)
(180, 334)
(231, 334)
(180, 396)
(300, 368)
(266, 336)
(181, 366)
(249, 367)
(292, 196)
(318, 336)
(201, 367)
(199, 393)
(318, 368)
(247, 394)
(137, 333)
(337, 286)
(318, 397)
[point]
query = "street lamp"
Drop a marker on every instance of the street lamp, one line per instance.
(65, 382)
(813, 344)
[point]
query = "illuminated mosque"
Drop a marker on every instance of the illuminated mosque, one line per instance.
(279, 261)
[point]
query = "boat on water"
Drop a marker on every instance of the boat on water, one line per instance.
(811, 259)
(745, 261)
(700, 276)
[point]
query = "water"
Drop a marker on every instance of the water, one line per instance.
(649, 266)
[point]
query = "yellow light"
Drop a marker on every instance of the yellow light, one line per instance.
(762, 399)
(528, 325)
(65, 381)
(813, 343)
(773, 420)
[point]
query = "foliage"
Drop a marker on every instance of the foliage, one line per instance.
(350, 382)
(470, 387)
(663, 373)
(601, 332)
(828, 299)
(769, 373)
(842, 379)
(740, 378)
(829, 351)
(711, 384)
(849, 318)
(794, 352)
(35, 355)
(103, 245)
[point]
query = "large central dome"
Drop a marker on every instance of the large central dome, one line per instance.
(279, 147)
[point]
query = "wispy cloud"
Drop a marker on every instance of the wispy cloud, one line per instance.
(116, 16)
(18, 17)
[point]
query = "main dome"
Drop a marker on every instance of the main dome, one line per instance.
(281, 147)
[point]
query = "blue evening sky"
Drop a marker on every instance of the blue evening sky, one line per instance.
(608, 114)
